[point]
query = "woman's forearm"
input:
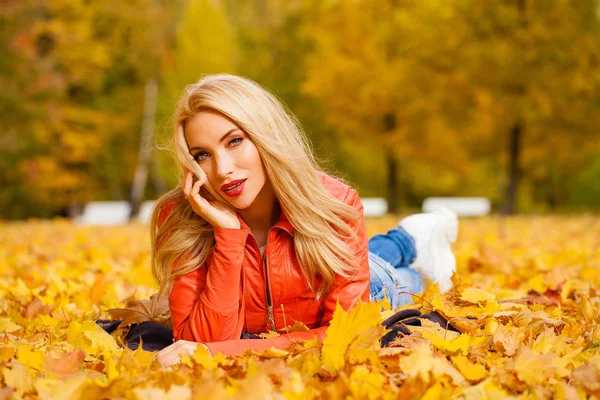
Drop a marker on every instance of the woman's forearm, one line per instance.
(205, 303)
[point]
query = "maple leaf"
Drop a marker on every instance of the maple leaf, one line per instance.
(424, 364)
(89, 337)
(6, 393)
(136, 311)
(35, 307)
(31, 357)
(588, 376)
(298, 326)
(472, 372)
(473, 295)
(268, 335)
(534, 368)
(66, 364)
(365, 383)
(154, 393)
(505, 340)
(71, 388)
(7, 325)
(6, 353)
(344, 327)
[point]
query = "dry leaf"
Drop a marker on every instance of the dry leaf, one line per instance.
(67, 364)
(136, 311)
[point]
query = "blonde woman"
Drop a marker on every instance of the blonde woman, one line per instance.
(257, 237)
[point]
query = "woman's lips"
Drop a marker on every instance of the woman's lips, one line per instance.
(234, 188)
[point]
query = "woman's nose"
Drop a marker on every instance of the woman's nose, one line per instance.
(225, 166)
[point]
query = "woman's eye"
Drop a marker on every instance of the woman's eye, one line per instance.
(235, 142)
(201, 156)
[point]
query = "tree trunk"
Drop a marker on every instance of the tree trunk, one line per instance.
(392, 182)
(145, 153)
(157, 181)
(389, 124)
(514, 148)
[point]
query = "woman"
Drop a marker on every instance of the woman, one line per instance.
(257, 237)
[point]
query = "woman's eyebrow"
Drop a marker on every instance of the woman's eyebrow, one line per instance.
(229, 132)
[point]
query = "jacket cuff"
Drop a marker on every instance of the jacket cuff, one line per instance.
(227, 239)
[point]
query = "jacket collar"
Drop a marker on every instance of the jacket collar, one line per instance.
(282, 223)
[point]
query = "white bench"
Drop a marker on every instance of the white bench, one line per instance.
(112, 213)
(462, 206)
(104, 213)
(145, 211)
(374, 206)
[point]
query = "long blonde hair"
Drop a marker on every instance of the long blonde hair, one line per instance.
(182, 242)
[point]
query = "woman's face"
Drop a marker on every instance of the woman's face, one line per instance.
(228, 157)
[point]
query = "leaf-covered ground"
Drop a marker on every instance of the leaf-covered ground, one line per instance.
(526, 301)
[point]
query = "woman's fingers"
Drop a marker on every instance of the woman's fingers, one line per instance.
(186, 185)
(171, 355)
(205, 205)
(195, 198)
(191, 190)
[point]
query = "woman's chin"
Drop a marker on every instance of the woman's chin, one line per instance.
(240, 203)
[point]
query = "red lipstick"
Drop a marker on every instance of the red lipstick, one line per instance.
(234, 188)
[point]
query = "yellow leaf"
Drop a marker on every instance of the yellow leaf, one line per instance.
(365, 384)
(6, 325)
(6, 353)
(434, 392)
(92, 339)
(56, 389)
(460, 344)
(343, 329)
(473, 372)
(110, 363)
(314, 342)
(473, 295)
(586, 309)
(537, 283)
(365, 346)
(203, 357)
(532, 368)
(273, 353)
(423, 363)
(19, 378)
(31, 357)
(486, 389)
(298, 326)
(154, 393)
(269, 335)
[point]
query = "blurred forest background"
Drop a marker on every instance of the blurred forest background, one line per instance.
(404, 98)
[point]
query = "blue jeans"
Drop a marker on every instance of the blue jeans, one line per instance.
(389, 257)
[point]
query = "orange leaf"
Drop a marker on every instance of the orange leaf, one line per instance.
(67, 364)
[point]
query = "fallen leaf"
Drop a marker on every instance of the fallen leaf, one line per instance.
(136, 311)
(69, 363)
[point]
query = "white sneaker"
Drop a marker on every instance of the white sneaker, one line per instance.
(434, 233)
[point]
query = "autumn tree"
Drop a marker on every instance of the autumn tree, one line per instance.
(80, 69)
(380, 81)
(535, 65)
(203, 44)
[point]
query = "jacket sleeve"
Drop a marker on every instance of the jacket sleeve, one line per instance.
(205, 303)
(346, 291)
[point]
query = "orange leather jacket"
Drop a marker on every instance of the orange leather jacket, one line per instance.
(227, 295)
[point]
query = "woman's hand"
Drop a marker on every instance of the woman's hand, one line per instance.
(217, 213)
(170, 355)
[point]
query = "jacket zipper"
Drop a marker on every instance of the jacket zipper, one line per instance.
(269, 296)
